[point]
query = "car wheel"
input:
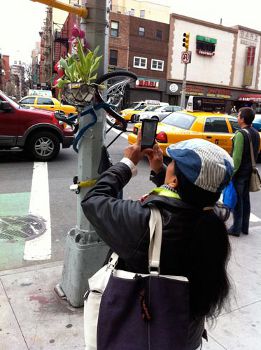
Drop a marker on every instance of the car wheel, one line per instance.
(43, 146)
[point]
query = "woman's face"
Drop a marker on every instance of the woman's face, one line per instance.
(170, 176)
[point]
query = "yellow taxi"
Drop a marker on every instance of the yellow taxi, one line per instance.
(183, 125)
(46, 102)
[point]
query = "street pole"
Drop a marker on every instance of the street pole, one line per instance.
(84, 251)
(183, 89)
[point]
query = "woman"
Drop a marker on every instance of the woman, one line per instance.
(195, 242)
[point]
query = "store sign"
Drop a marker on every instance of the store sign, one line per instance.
(148, 83)
(173, 88)
(248, 38)
(195, 90)
(249, 97)
(217, 92)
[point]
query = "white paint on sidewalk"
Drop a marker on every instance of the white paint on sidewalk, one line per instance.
(40, 247)
(254, 218)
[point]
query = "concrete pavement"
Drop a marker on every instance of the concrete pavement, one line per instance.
(33, 317)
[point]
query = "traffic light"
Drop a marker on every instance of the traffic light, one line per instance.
(186, 41)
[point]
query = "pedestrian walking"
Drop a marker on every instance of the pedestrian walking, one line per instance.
(242, 169)
(195, 243)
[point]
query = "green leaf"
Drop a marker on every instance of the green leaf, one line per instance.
(63, 63)
(81, 53)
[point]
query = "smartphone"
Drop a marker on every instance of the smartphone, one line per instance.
(148, 133)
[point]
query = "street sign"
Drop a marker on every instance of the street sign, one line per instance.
(186, 57)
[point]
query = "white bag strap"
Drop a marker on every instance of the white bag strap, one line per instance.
(155, 225)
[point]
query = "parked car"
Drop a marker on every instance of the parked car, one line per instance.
(36, 131)
(137, 107)
(257, 122)
(158, 113)
(178, 126)
(46, 102)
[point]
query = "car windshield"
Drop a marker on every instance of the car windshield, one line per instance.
(134, 105)
(180, 120)
(151, 108)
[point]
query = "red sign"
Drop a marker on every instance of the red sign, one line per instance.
(152, 84)
(250, 97)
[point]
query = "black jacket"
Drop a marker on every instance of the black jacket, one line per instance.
(123, 225)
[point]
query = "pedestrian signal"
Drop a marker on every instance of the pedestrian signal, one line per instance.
(186, 41)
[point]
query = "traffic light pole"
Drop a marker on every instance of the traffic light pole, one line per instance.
(183, 90)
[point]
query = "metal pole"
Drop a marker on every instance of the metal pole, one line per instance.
(183, 91)
(84, 253)
(95, 27)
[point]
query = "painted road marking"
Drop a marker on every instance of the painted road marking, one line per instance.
(39, 248)
(11, 243)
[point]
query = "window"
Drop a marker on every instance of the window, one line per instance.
(216, 124)
(140, 62)
(234, 124)
(180, 120)
(142, 13)
(28, 101)
(159, 34)
(141, 31)
(157, 65)
(114, 29)
(113, 57)
(44, 101)
(132, 12)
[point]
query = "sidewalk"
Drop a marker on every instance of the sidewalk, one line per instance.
(33, 317)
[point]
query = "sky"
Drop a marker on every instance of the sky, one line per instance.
(21, 20)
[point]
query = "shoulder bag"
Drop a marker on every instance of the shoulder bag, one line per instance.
(134, 311)
(255, 181)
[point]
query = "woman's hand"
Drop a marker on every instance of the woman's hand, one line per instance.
(133, 152)
(155, 157)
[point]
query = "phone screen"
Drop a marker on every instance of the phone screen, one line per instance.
(148, 133)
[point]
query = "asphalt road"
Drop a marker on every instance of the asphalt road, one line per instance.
(16, 173)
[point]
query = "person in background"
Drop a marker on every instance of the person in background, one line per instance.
(195, 243)
(242, 169)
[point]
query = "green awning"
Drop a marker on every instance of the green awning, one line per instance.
(206, 39)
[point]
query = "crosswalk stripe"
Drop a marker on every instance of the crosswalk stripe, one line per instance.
(40, 247)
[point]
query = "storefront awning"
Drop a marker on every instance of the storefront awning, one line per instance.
(250, 97)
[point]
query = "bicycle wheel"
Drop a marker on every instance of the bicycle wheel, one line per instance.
(112, 92)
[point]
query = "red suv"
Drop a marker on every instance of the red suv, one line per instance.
(36, 131)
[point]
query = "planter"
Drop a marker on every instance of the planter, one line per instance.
(78, 94)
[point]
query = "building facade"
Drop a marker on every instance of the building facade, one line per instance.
(225, 61)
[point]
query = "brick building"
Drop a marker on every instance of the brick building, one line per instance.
(140, 46)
